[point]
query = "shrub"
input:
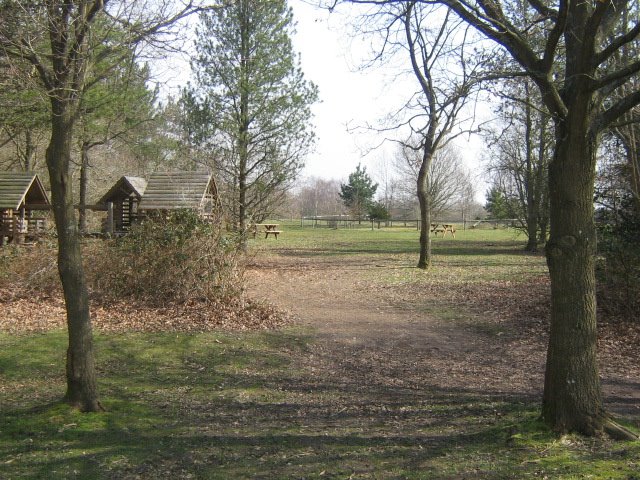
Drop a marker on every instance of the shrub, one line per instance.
(378, 211)
(167, 260)
(25, 270)
(619, 268)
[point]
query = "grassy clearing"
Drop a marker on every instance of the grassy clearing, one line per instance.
(364, 240)
(237, 406)
(490, 263)
(499, 252)
(251, 405)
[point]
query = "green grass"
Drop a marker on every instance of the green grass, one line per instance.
(236, 406)
(475, 255)
(397, 240)
(248, 405)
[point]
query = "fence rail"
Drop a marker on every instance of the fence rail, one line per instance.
(341, 221)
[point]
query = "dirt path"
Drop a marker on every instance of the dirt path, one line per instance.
(370, 335)
(374, 336)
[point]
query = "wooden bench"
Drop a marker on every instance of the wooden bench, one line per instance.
(275, 233)
(443, 228)
(267, 228)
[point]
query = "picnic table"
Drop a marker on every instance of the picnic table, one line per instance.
(443, 228)
(268, 229)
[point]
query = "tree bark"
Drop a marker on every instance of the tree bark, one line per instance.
(572, 395)
(424, 200)
(532, 208)
(243, 133)
(82, 389)
(541, 183)
(29, 151)
(84, 184)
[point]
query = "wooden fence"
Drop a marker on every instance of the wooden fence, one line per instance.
(343, 221)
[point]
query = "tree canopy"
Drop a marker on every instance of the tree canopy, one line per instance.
(357, 194)
(584, 78)
(249, 104)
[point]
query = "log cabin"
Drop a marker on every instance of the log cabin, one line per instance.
(170, 191)
(23, 203)
(124, 197)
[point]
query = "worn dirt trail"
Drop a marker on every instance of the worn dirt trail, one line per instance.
(374, 337)
(371, 335)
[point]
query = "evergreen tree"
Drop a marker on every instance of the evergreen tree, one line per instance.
(358, 193)
(24, 118)
(250, 104)
(378, 211)
(498, 204)
(112, 108)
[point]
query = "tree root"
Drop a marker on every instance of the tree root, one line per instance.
(618, 432)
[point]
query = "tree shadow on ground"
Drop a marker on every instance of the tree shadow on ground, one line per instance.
(398, 248)
(234, 411)
(310, 428)
(238, 412)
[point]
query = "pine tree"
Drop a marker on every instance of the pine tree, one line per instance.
(358, 193)
(250, 104)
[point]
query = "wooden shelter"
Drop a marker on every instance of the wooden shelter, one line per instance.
(180, 190)
(122, 201)
(21, 193)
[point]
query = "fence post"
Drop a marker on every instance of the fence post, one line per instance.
(110, 228)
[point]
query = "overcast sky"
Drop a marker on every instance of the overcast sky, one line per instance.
(351, 96)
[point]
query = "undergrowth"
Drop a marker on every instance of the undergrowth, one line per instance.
(163, 260)
(175, 259)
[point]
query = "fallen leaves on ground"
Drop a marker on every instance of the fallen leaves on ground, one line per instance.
(29, 312)
(442, 329)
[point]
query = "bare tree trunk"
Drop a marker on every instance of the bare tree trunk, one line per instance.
(84, 184)
(424, 261)
(529, 182)
(532, 229)
(541, 183)
(242, 209)
(243, 140)
(29, 151)
(572, 395)
(82, 389)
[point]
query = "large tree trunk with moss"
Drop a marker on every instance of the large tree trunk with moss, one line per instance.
(82, 389)
(572, 395)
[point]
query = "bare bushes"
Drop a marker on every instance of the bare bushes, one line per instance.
(161, 261)
(170, 260)
(175, 274)
(619, 270)
(29, 270)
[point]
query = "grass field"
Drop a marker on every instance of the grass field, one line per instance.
(244, 405)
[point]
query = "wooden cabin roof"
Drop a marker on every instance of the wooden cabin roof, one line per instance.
(125, 187)
(18, 188)
(176, 190)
